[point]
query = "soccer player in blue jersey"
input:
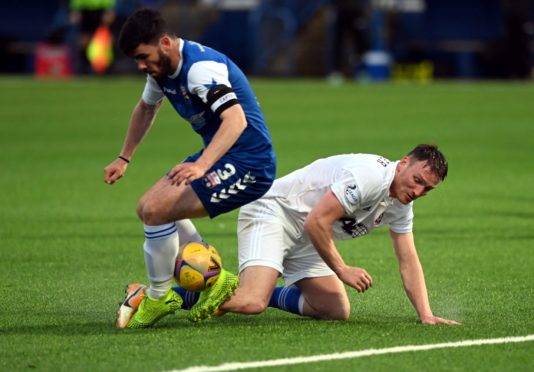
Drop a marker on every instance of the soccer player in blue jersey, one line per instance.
(235, 167)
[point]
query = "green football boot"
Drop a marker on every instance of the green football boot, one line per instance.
(210, 299)
(151, 310)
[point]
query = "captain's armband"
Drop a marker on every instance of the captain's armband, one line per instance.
(221, 97)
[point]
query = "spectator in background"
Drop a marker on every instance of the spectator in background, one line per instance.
(123, 8)
(88, 15)
(351, 35)
(518, 16)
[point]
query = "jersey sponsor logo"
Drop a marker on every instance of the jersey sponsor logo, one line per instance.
(169, 91)
(352, 194)
(239, 185)
(211, 180)
(383, 161)
(352, 227)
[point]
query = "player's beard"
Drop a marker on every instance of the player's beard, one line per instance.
(164, 66)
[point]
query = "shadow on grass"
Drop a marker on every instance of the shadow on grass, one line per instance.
(271, 321)
(86, 329)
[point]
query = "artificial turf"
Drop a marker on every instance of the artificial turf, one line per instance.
(70, 243)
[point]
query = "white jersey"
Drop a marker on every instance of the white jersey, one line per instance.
(360, 182)
(271, 229)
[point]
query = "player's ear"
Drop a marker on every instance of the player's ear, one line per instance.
(165, 43)
(405, 160)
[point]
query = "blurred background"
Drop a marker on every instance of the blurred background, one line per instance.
(364, 40)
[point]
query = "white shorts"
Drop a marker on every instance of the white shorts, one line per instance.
(268, 236)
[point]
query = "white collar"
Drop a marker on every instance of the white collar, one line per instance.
(180, 50)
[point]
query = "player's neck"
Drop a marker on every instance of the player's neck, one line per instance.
(175, 54)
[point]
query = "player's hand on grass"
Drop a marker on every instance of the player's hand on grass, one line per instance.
(431, 320)
(185, 172)
(115, 171)
(357, 278)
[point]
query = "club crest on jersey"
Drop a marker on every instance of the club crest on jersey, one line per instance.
(184, 93)
(352, 194)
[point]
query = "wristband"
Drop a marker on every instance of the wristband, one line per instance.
(123, 158)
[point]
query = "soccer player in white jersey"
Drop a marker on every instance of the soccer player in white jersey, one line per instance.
(235, 167)
(290, 232)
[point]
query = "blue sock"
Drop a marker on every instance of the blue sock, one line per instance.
(288, 299)
(190, 298)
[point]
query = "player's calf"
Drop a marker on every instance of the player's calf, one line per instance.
(245, 302)
(328, 307)
(326, 298)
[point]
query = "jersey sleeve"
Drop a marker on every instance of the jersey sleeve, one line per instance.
(152, 94)
(402, 218)
(358, 187)
(347, 192)
(209, 80)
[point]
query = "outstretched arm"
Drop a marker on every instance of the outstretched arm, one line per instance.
(414, 279)
(142, 118)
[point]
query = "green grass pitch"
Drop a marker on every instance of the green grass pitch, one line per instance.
(69, 243)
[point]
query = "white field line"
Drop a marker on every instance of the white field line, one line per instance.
(354, 354)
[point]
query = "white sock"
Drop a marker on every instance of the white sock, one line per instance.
(187, 232)
(161, 248)
(301, 305)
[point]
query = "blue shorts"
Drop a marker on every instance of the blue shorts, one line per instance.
(231, 183)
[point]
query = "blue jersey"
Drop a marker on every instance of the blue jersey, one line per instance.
(205, 83)
(201, 69)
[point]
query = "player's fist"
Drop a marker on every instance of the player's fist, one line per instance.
(356, 277)
(115, 171)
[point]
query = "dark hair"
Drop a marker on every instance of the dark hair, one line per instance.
(435, 159)
(145, 26)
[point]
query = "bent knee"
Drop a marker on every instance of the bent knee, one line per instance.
(338, 309)
(139, 209)
(149, 212)
(342, 313)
